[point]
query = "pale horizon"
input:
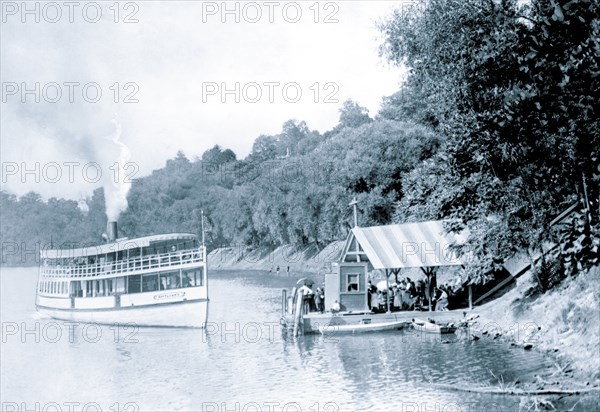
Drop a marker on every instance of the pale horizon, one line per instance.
(178, 61)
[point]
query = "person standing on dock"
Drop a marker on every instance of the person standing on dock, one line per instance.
(442, 301)
(308, 297)
(336, 307)
(319, 301)
(397, 303)
(371, 289)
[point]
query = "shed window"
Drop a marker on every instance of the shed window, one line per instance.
(352, 282)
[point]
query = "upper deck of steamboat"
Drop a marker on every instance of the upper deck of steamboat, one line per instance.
(123, 257)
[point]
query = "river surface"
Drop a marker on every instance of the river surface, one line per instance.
(242, 361)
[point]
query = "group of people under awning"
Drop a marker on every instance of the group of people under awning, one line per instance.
(407, 295)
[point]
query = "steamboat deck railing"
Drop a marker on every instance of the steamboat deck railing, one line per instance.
(128, 266)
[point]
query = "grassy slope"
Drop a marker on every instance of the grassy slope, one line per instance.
(564, 321)
(308, 260)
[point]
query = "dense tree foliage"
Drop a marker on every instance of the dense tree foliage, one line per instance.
(294, 187)
(29, 224)
(513, 90)
(495, 129)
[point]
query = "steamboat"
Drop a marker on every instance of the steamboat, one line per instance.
(158, 280)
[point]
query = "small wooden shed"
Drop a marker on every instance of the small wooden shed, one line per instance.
(426, 245)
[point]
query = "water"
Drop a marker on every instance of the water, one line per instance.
(241, 362)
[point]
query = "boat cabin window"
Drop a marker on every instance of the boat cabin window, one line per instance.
(192, 277)
(134, 284)
(352, 282)
(75, 290)
(149, 283)
(170, 280)
(161, 281)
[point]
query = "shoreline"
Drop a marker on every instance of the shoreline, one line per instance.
(560, 324)
(563, 324)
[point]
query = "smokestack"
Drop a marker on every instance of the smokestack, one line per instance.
(111, 231)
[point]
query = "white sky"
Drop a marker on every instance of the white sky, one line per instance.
(172, 55)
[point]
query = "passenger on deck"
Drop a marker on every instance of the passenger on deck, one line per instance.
(307, 294)
(410, 286)
(320, 301)
(373, 302)
(371, 289)
(305, 290)
(442, 300)
(420, 288)
(383, 301)
(397, 298)
(335, 308)
(377, 302)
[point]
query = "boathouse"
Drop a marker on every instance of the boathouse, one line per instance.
(391, 248)
(424, 245)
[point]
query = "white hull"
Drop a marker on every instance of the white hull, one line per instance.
(361, 327)
(428, 327)
(191, 314)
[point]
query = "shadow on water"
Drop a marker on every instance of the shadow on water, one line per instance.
(242, 358)
(401, 370)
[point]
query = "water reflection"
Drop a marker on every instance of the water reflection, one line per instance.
(242, 358)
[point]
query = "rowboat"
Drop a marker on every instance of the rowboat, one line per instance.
(430, 327)
(361, 327)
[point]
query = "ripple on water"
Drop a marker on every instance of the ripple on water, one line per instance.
(180, 369)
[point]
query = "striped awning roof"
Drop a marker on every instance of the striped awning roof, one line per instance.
(423, 244)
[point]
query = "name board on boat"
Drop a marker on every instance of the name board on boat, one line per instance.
(169, 295)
